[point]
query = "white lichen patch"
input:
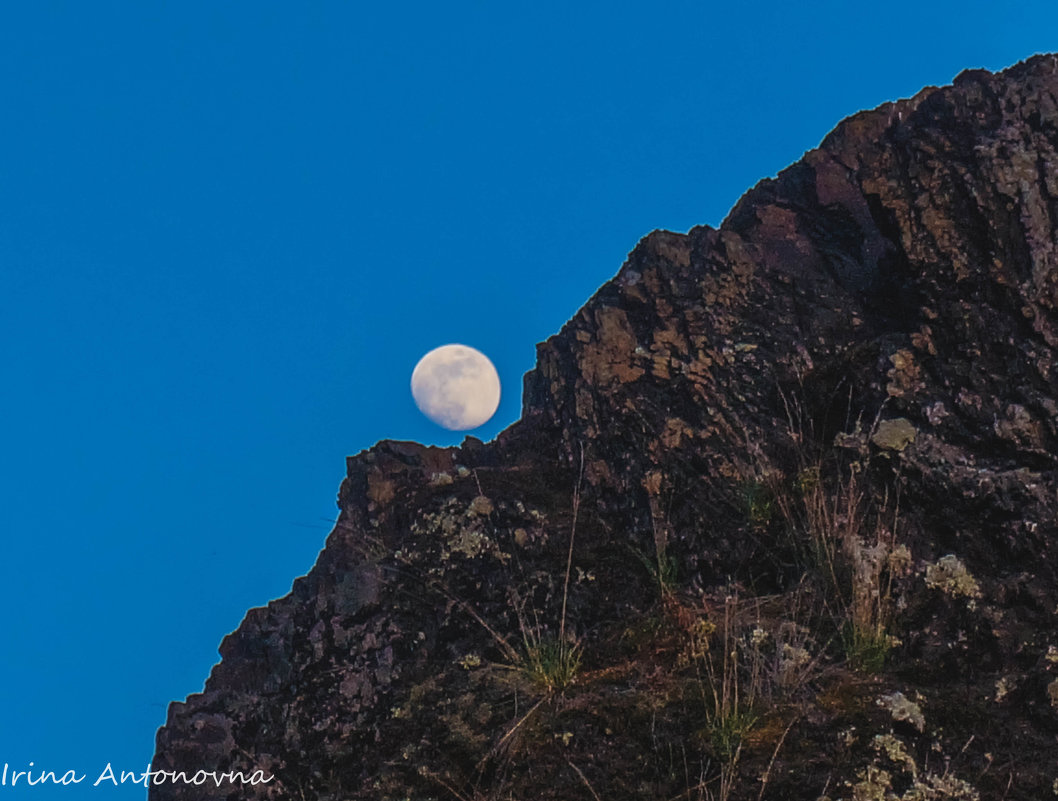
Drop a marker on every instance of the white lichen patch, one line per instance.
(874, 785)
(950, 576)
(902, 708)
(792, 657)
(875, 782)
(469, 542)
(934, 787)
(481, 506)
(461, 530)
(894, 749)
(899, 560)
(1003, 687)
(440, 479)
(1052, 654)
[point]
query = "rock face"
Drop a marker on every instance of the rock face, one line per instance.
(778, 521)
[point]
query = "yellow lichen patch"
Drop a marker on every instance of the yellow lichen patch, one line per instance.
(894, 435)
(905, 377)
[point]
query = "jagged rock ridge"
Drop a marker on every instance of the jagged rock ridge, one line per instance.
(848, 387)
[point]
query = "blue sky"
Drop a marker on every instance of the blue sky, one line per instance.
(229, 231)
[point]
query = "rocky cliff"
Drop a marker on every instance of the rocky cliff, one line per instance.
(778, 520)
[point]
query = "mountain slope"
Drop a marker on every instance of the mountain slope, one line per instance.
(777, 488)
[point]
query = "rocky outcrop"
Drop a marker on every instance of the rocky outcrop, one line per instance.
(813, 450)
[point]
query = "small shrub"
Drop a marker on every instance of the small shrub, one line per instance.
(551, 664)
(866, 647)
(758, 502)
(727, 732)
(793, 663)
(731, 697)
(847, 544)
(808, 480)
(662, 570)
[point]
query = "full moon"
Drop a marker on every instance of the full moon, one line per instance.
(456, 386)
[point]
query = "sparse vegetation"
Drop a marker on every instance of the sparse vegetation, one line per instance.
(730, 673)
(759, 503)
(551, 664)
(865, 647)
(847, 544)
(893, 764)
(730, 698)
(662, 570)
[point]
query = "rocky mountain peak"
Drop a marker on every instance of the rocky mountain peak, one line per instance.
(778, 520)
